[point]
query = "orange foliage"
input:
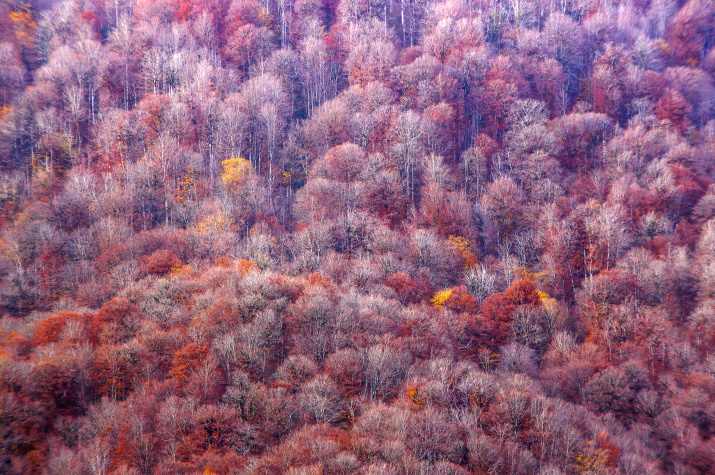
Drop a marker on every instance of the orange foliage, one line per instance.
(463, 249)
(222, 261)
(113, 371)
(246, 267)
(154, 108)
(522, 292)
(316, 278)
(413, 394)
(160, 262)
(440, 298)
(24, 25)
(493, 326)
(186, 360)
(189, 187)
(461, 301)
(50, 329)
(599, 456)
(112, 323)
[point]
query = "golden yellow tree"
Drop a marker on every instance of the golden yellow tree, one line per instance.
(462, 247)
(441, 297)
(235, 170)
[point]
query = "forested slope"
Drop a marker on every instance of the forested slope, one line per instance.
(357, 236)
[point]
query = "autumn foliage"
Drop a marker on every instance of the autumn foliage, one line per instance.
(357, 237)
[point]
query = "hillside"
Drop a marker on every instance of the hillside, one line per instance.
(357, 236)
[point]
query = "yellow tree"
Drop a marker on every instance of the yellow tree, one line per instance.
(235, 170)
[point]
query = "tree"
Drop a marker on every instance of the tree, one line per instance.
(343, 163)
(187, 360)
(689, 32)
(439, 122)
(406, 129)
(583, 135)
(503, 202)
(384, 370)
(23, 26)
(116, 322)
(314, 318)
(608, 90)
(12, 75)
(320, 399)
(161, 262)
(522, 292)
(492, 328)
(385, 198)
(432, 438)
(408, 290)
(698, 91)
(235, 170)
(610, 390)
(370, 55)
(22, 422)
(50, 330)
(564, 40)
(217, 429)
(266, 105)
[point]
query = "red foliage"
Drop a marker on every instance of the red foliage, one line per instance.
(460, 301)
(409, 290)
(608, 91)
(659, 245)
(493, 325)
(445, 212)
(248, 44)
(160, 262)
(640, 201)
(605, 443)
(153, 107)
(685, 234)
(56, 386)
(672, 106)
(653, 84)
(690, 30)
(345, 287)
(522, 292)
(50, 329)
(216, 431)
(115, 322)
(611, 286)
(52, 262)
(690, 188)
(385, 198)
(498, 95)
(91, 19)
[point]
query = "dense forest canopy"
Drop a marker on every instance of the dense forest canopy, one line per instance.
(357, 236)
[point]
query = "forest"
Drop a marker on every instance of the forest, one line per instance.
(325, 237)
